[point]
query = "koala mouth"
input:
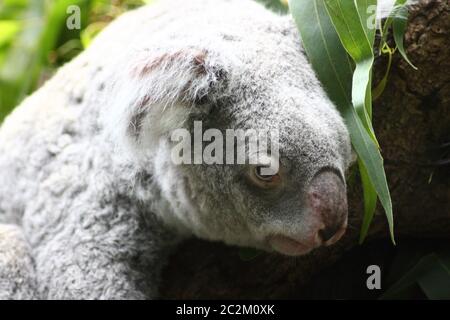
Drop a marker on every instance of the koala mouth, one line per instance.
(292, 247)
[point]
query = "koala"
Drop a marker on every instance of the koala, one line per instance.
(89, 188)
(17, 279)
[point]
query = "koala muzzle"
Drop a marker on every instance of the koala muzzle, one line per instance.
(327, 198)
(325, 220)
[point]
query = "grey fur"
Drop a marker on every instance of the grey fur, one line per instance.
(85, 164)
(17, 278)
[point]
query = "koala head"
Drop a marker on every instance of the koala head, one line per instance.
(262, 82)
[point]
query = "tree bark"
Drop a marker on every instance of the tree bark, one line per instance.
(411, 120)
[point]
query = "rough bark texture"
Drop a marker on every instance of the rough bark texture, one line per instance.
(412, 118)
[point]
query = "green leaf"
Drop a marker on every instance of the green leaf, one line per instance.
(388, 21)
(399, 14)
(350, 19)
(366, 10)
(354, 35)
(370, 156)
(324, 49)
(331, 62)
(370, 202)
(436, 282)
(399, 26)
(379, 89)
(429, 274)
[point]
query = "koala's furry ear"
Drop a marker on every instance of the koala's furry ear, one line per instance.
(158, 89)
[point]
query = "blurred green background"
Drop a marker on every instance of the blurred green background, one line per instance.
(34, 39)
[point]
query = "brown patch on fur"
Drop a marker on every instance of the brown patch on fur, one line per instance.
(167, 60)
(164, 61)
(199, 62)
(134, 128)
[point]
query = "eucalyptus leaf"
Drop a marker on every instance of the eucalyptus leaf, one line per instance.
(399, 27)
(370, 202)
(350, 19)
(354, 35)
(436, 282)
(429, 274)
(379, 89)
(389, 18)
(331, 62)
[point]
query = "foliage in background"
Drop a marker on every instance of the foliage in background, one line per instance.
(418, 273)
(34, 40)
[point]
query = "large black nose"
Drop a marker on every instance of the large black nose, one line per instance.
(328, 200)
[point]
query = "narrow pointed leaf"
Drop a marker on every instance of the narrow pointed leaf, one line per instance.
(370, 202)
(430, 274)
(354, 35)
(399, 27)
(330, 61)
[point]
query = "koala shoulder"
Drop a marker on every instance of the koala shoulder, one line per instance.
(16, 266)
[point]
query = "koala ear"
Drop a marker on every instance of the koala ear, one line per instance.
(160, 89)
(183, 75)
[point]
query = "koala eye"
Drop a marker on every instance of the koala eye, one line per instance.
(261, 176)
(264, 181)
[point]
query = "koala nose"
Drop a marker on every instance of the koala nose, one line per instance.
(328, 233)
(328, 201)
